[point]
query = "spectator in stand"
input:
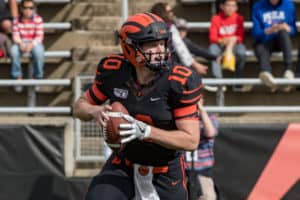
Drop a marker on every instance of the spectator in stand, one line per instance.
(5, 28)
(179, 51)
(274, 22)
(5, 18)
(226, 36)
(5, 45)
(28, 35)
(199, 163)
(13, 7)
(195, 49)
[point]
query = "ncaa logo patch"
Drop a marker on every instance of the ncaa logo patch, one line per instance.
(121, 93)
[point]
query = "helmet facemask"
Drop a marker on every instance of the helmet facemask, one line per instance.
(161, 58)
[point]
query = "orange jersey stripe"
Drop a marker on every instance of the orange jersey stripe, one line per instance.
(89, 98)
(98, 93)
(192, 91)
(189, 118)
(192, 100)
(181, 112)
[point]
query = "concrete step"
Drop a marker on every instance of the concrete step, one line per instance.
(97, 9)
(106, 24)
(144, 5)
(69, 12)
(11, 98)
(95, 53)
(81, 39)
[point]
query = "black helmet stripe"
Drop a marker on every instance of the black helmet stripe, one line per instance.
(150, 15)
(133, 24)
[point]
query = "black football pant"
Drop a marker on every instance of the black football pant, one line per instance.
(115, 182)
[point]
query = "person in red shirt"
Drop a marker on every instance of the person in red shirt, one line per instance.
(28, 36)
(226, 35)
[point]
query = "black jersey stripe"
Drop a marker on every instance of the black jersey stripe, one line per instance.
(184, 111)
(95, 91)
(92, 98)
(193, 90)
(133, 24)
(89, 98)
(192, 100)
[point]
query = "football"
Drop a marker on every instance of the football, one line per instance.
(112, 135)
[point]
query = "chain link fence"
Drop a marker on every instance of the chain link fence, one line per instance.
(90, 145)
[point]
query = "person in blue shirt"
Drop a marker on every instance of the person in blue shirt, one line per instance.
(274, 22)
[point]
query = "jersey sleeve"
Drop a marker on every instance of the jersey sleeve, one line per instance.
(98, 92)
(185, 92)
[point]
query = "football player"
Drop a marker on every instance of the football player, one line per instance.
(162, 102)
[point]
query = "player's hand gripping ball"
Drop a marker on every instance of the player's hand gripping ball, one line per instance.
(112, 131)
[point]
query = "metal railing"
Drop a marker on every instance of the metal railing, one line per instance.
(90, 145)
(31, 96)
(58, 54)
(124, 10)
(206, 25)
(213, 1)
(58, 25)
(48, 1)
(220, 96)
(35, 110)
(252, 109)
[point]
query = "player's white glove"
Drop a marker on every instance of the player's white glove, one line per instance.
(135, 129)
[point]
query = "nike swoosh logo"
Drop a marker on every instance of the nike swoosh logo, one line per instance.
(154, 99)
(174, 183)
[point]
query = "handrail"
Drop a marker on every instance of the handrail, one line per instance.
(213, 1)
(249, 81)
(31, 102)
(206, 25)
(252, 109)
(48, 1)
(60, 54)
(58, 25)
(54, 54)
(124, 10)
(35, 110)
(220, 97)
(34, 82)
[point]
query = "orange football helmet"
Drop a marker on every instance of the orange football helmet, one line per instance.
(141, 28)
